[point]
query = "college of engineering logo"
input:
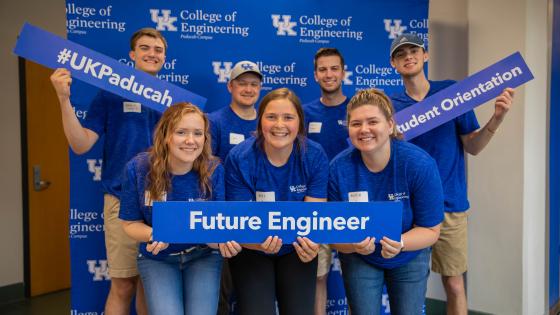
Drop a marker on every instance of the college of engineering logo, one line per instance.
(222, 71)
(394, 27)
(94, 167)
(164, 21)
(284, 27)
(99, 269)
(347, 74)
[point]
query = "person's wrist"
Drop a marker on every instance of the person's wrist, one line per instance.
(402, 244)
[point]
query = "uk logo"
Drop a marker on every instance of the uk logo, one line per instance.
(94, 167)
(394, 28)
(222, 71)
(164, 21)
(98, 269)
(285, 26)
(335, 263)
(347, 75)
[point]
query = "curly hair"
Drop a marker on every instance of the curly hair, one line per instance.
(159, 177)
(377, 98)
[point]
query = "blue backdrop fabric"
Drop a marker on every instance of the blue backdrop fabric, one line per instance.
(206, 38)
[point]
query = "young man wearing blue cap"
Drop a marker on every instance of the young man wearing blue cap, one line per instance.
(446, 144)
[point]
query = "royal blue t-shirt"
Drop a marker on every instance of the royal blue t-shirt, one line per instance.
(327, 126)
(444, 144)
(135, 207)
(251, 177)
(128, 128)
(228, 130)
(411, 176)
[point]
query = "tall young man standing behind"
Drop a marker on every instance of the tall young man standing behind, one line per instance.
(447, 145)
(128, 130)
(325, 120)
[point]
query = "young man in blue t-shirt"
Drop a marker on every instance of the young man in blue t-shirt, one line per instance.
(325, 120)
(128, 130)
(232, 124)
(446, 144)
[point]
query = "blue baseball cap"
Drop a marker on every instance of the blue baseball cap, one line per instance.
(406, 39)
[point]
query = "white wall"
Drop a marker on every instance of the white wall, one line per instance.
(51, 16)
(507, 186)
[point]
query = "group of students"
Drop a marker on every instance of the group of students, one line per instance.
(245, 152)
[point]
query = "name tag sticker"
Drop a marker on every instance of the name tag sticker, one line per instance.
(315, 127)
(265, 196)
(132, 107)
(358, 196)
(235, 138)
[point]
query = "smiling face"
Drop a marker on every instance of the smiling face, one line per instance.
(186, 143)
(148, 54)
(245, 89)
(409, 60)
(329, 73)
(369, 129)
(279, 124)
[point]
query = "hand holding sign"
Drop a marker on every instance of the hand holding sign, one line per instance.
(390, 248)
(503, 104)
(61, 80)
(306, 249)
(365, 247)
(229, 249)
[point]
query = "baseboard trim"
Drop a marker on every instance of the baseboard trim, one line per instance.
(555, 309)
(12, 293)
(437, 307)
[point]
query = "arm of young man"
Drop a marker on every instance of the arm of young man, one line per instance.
(79, 138)
(476, 141)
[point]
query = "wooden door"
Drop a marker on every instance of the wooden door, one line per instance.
(48, 218)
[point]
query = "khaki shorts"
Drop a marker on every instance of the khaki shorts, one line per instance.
(449, 253)
(121, 249)
(324, 261)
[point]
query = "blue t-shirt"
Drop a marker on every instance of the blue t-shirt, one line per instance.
(228, 130)
(128, 128)
(444, 144)
(135, 207)
(250, 175)
(411, 176)
(327, 126)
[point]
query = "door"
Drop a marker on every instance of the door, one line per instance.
(48, 259)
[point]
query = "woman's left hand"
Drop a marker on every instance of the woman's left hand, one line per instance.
(390, 248)
(155, 247)
(306, 249)
(229, 249)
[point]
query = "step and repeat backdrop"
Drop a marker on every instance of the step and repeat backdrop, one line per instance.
(206, 38)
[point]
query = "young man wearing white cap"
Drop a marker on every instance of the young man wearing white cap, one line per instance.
(325, 120)
(230, 126)
(446, 144)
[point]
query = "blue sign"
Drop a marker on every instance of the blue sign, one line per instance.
(99, 70)
(463, 96)
(253, 222)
